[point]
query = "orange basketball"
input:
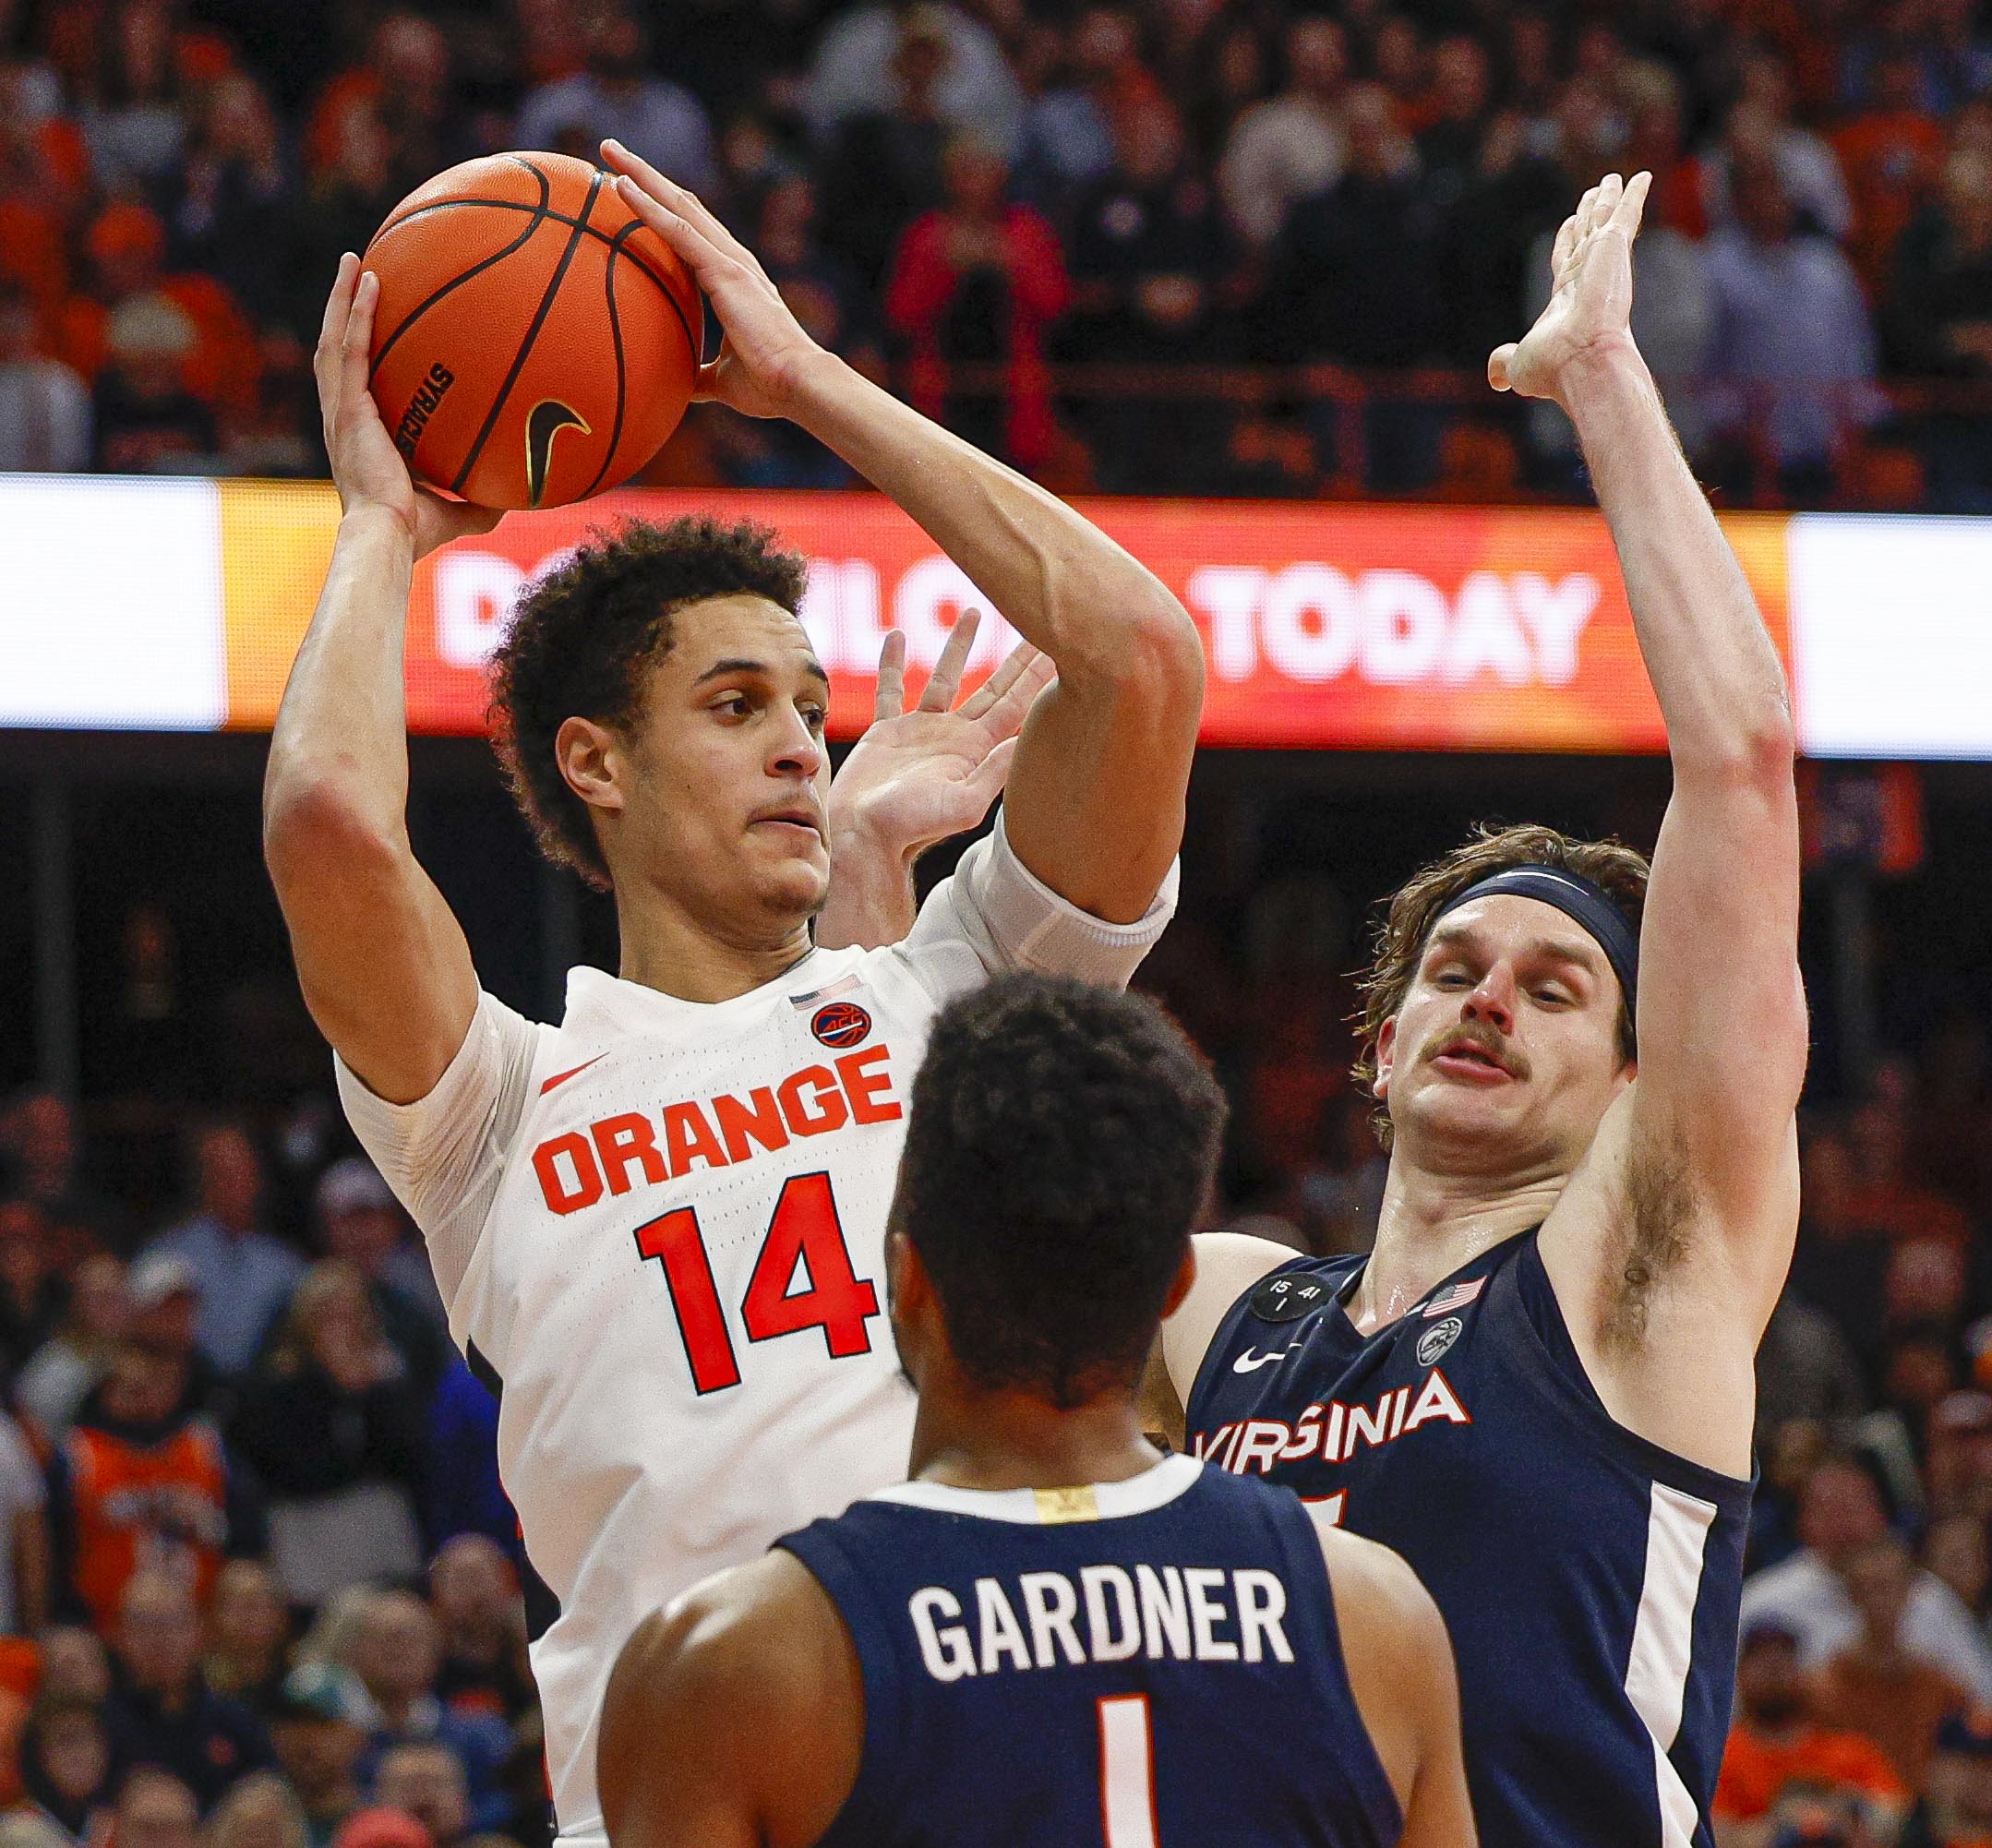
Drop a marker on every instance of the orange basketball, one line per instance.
(535, 343)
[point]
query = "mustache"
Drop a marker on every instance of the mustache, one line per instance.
(1471, 1033)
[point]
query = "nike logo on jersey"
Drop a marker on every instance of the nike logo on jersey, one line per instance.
(1334, 1432)
(1247, 1363)
(559, 1078)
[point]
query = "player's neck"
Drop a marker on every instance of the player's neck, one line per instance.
(1431, 1223)
(664, 948)
(970, 1439)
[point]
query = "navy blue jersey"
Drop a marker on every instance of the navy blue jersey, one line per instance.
(1590, 1578)
(1152, 1663)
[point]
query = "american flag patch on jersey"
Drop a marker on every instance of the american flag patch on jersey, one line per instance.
(843, 985)
(1457, 1297)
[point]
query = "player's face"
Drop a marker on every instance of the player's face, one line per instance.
(725, 813)
(1505, 1055)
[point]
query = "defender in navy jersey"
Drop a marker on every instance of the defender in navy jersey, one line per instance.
(1052, 1634)
(1538, 1385)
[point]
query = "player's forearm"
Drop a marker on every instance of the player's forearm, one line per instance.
(1720, 686)
(340, 735)
(1067, 587)
(871, 895)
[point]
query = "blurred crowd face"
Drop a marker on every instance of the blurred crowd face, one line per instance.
(156, 1811)
(74, 1752)
(397, 1651)
(1459, 78)
(976, 176)
(1924, 1282)
(259, 1812)
(1955, 1550)
(1770, 1687)
(143, 1384)
(74, 1664)
(229, 1177)
(41, 1136)
(159, 1633)
(1840, 1512)
(1486, 983)
(317, 1756)
(1763, 207)
(475, 1591)
(247, 1622)
(426, 1782)
(1879, 1579)
(1317, 58)
(97, 1300)
(1967, 198)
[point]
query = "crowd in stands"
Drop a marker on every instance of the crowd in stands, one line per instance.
(258, 1577)
(1250, 247)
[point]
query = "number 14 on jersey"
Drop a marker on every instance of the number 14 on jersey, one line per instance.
(805, 1235)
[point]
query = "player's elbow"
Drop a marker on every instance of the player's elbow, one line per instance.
(1757, 753)
(316, 826)
(1150, 650)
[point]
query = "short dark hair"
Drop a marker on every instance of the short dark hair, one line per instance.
(1401, 933)
(586, 632)
(1060, 1148)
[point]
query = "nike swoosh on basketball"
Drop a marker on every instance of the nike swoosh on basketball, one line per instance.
(546, 420)
(1247, 1363)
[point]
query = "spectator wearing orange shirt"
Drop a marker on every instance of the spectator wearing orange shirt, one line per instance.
(1875, 1687)
(1890, 155)
(1776, 1741)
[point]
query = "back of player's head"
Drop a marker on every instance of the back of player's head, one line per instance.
(586, 631)
(1619, 872)
(1059, 1146)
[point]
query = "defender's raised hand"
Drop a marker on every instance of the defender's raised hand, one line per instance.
(367, 467)
(1591, 300)
(764, 345)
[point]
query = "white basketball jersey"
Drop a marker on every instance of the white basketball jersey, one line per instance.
(664, 1237)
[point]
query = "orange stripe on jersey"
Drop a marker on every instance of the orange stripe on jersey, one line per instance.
(561, 1077)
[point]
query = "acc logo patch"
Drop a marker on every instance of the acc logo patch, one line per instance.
(1434, 1342)
(1287, 1299)
(840, 1024)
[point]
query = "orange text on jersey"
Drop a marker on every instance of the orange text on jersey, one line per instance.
(616, 1152)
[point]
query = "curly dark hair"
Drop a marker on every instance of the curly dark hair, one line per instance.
(1059, 1146)
(1401, 933)
(585, 632)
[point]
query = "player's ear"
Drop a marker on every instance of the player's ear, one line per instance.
(592, 763)
(1386, 1042)
(1185, 1280)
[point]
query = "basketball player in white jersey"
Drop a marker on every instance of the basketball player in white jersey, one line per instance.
(658, 1226)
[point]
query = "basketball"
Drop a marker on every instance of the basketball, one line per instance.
(534, 343)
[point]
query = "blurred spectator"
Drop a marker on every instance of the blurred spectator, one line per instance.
(398, 1654)
(1459, 104)
(1875, 1687)
(248, 1630)
(857, 72)
(884, 168)
(242, 1274)
(24, 1549)
(1890, 153)
(332, 1424)
(61, 1372)
(1149, 247)
(234, 209)
(259, 1811)
(463, 1494)
(31, 1291)
(1940, 324)
(147, 420)
(382, 1827)
(141, 1481)
(1067, 140)
(473, 1592)
(618, 97)
(361, 1223)
(1294, 144)
(425, 1779)
(1805, 1370)
(1840, 1515)
(1955, 1549)
(42, 1152)
(44, 407)
(154, 1809)
(1775, 1741)
(979, 283)
(319, 1728)
(75, 1662)
(1958, 1457)
(1761, 131)
(162, 1711)
(405, 90)
(135, 120)
(1791, 329)
(1956, 1811)
(66, 1766)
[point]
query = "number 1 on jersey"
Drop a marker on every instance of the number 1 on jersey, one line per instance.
(805, 1233)
(1127, 1771)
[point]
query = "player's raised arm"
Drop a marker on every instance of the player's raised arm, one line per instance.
(384, 965)
(1721, 1015)
(1096, 795)
(733, 1720)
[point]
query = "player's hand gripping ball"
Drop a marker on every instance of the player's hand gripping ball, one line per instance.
(534, 341)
